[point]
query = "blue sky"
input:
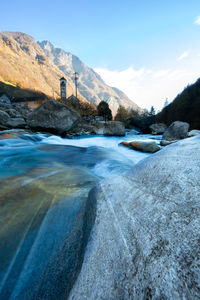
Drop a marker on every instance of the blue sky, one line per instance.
(148, 48)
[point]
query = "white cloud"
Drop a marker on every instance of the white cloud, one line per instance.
(183, 55)
(149, 87)
(197, 21)
(161, 73)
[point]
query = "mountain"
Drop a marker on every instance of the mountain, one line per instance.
(37, 67)
(24, 64)
(90, 84)
(185, 107)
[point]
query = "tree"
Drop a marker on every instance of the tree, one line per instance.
(123, 115)
(104, 110)
(166, 103)
(152, 111)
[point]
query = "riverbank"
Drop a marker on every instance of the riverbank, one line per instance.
(56, 118)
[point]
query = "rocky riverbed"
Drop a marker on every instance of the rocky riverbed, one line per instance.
(47, 209)
(86, 218)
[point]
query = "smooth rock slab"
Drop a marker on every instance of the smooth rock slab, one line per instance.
(45, 220)
(145, 240)
(193, 132)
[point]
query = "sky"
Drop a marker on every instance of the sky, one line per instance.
(150, 49)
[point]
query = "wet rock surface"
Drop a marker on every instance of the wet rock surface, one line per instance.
(46, 216)
(145, 240)
(48, 210)
(193, 132)
(143, 146)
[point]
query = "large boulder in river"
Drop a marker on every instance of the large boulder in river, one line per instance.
(144, 146)
(145, 240)
(176, 131)
(53, 116)
(158, 128)
(109, 128)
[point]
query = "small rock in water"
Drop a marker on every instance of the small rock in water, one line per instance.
(158, 128)
(144, 146)
(166, 143)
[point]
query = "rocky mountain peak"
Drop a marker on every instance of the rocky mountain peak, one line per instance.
(90, 84)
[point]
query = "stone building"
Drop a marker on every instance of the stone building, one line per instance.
(63, 84)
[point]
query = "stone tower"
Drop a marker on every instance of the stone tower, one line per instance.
(63, 84)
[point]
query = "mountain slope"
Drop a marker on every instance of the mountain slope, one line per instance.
(38, 67)
(185, 107)
(24, 64)
(90, 84)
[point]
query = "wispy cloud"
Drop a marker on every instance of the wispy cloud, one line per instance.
(197, 21)
(149, 87)
(183, 55)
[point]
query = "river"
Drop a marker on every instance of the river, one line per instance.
(46, 214)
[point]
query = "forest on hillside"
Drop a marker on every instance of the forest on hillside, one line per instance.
(185, 107)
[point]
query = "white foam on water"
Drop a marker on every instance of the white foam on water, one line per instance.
(111, 143)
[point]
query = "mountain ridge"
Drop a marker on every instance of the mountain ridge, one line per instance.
(39, 66)
(89, 80)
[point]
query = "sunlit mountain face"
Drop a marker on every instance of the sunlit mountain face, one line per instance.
(38, 67)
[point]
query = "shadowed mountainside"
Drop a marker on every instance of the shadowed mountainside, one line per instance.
(17, 94)
(185, 107)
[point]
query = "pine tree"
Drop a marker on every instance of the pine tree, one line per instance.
(104, 110)
(166, 103)
(152, 111)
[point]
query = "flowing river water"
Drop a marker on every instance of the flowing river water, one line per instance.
(47, 206)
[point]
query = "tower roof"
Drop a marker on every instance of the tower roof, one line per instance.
(62, 78)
